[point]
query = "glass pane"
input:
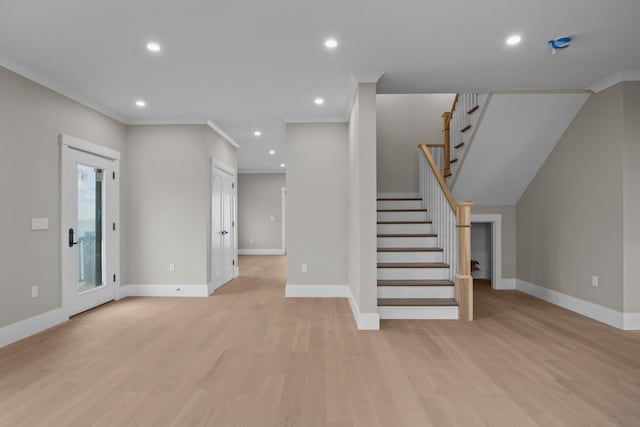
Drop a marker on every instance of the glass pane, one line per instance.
(89, 233)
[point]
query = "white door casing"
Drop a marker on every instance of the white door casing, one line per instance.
(75, 153)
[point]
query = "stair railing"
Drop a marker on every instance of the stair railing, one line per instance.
(454, 124)
(452, 222)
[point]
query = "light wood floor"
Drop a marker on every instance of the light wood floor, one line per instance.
(249, 357)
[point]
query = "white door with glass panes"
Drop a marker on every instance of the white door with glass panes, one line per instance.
(89, 228)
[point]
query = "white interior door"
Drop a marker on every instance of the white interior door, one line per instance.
(227, 228)
(223, 227)
(217, 238)
(89, 237)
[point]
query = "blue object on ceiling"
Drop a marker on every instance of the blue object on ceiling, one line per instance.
(560, 43)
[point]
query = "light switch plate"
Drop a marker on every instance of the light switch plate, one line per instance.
(39, 223)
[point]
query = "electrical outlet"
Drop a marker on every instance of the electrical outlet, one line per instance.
(304, 268)
(594, 281)
(172, 267)
(34, 292)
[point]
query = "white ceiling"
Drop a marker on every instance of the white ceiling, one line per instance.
(255, 64)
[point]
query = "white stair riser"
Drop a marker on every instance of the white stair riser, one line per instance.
(398, 195)
(433, 312)
(400, 204)
(416, 292)
(413, 274)
(405, 228)
(402, 216)
(407, 242)
(410, 256)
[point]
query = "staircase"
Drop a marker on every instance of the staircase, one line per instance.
(414, 282)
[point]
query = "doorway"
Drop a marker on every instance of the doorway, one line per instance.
(481, 253)
(223, 224)
(89, 223)
(494, 224)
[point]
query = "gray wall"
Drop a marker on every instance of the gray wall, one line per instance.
(166, 201)
(362, 199)
(631, 207)
(403, 122)
(508, 236)
(317, 193)
(31, 119)
(569, 220)
(260, 200)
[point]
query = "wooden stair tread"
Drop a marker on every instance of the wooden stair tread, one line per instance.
(453, 161)
(409, 249)
(473, 110)
(404, 200)
(448, 174)
(412, 265)
(466, 128)
(459, 145)
(402, 210)
(417, 302)
(408, 235)
(415, 283)
(405, 222)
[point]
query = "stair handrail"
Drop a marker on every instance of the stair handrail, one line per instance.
(452, 222)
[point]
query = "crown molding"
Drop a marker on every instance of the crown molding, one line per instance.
(213, 125)
(38, 78)
(614, 79)
(367, 76)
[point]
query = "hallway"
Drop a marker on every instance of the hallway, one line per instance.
(248, 356)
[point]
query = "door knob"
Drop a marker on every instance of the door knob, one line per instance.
(71, 242)
(223, 232)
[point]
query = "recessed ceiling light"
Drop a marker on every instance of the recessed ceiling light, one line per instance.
(153, 47)
(281, 165)
(331, 43)
(257, 133)
(140, 103)
(514, 39)
(272, 152)
(319, 101)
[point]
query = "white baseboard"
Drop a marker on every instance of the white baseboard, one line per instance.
(162, 291)
(364, 321)
(631, 321)
(626, 321)
(424, 313)
(211, 288)
(504, 284)
(25, 328)
(398, 195)
(260, 251)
